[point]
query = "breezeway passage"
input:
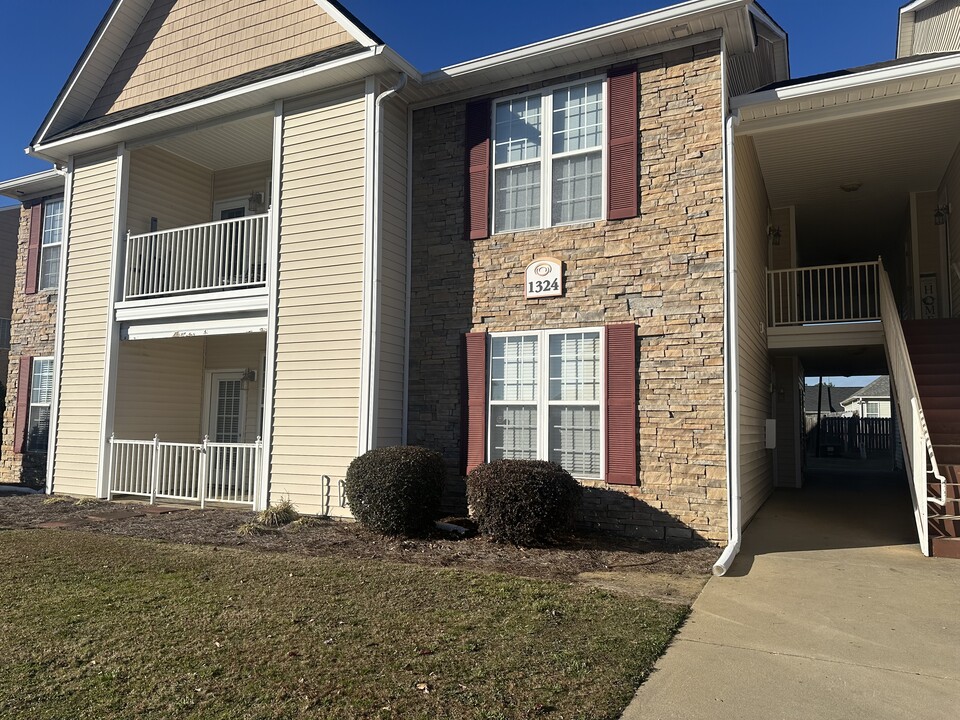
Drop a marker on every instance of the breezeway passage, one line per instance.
(829, 611)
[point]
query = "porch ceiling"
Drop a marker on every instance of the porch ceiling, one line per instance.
(229, 145)
(891, 154)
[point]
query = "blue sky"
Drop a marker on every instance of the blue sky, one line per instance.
(39, 55)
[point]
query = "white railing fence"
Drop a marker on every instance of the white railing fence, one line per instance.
(921, 461)
(823, 294)
(204, 472)
(227, 254)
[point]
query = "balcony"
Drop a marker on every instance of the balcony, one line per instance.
(824, 306)
(213, 257)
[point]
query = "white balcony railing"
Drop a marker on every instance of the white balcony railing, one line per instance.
(204, 472)
(823, 294)
(222, 255)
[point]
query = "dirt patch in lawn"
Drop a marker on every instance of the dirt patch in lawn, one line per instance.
(670, 573)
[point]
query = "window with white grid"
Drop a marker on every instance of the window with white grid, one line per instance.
(51, 242)
(545, 398)
(41, 393)
(539, 183)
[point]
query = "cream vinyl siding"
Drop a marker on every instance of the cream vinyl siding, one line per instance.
(317, 387)
(85, 311)
(756, 477)
(239, 182)
(182, 45)
(159, 388)
(240, 352)
(950, 193)
(393, 274)
(937, 28)
(175, 191)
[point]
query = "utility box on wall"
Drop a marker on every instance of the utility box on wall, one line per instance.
(771, 434)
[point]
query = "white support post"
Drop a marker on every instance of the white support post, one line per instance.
(155, 469)
(257, 477)
(110, 468)
(204, 473)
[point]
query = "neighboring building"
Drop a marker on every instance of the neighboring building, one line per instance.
(825, 400)
(35, 269)
(609, 249)
(9, 229)
(871, 401)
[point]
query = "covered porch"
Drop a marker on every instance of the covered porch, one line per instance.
(860, 171)
(188, 420)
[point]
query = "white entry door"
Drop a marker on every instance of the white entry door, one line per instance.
(226, 410)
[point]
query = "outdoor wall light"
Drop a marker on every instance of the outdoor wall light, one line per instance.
(941, 214)
(248, 377)
(774, 234)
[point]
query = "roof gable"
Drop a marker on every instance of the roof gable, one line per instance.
(146, 50)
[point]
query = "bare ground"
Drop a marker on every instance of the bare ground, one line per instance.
(670, 573)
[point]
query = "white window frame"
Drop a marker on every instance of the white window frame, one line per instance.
(543, 401)
(31, 404)
(866, 408)
(45, 247)
(547, 155)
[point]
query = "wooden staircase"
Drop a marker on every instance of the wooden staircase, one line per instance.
(934, 347)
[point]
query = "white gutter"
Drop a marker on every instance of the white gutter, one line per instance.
(371, 370)
(907, 71)
(672, 14)
(731, 371)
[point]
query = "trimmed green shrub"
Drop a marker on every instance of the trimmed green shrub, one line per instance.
(396, 490)
(523, 501)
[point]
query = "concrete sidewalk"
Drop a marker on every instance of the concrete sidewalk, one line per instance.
(830, 611)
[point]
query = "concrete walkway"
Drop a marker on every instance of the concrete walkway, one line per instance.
(830, 611)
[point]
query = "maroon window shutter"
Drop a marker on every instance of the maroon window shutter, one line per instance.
(477, 193)
(621, 404)
(474, 436)
(33, 249)
(622, 127)
(23, 405)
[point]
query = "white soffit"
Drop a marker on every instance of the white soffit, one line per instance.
(232, 144)
(912, 84)
(38, 184)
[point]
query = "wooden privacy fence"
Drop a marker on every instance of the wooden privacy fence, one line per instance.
(853, 433)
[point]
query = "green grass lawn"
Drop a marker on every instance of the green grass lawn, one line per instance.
(93, 626)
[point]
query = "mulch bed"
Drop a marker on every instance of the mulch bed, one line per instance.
(583, 553)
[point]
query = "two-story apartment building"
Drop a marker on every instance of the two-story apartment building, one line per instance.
(285, 245)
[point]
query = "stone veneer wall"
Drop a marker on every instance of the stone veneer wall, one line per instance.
(662, 270)
(32, 333)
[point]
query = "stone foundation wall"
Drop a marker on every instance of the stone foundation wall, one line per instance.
(32, 332)
(662, 270)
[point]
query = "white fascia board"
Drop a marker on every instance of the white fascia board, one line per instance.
(672, 14)
(347, 24)
(106, 27)
(915, 6)
(846, 83)
(41, 182)
(274, 83)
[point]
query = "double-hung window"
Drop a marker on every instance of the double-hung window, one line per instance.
(545, 398)
(873, 409)
(51, 242)
(41, 390)
(548, 157)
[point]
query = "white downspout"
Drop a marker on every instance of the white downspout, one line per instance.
(731, 371)
(373, 370)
